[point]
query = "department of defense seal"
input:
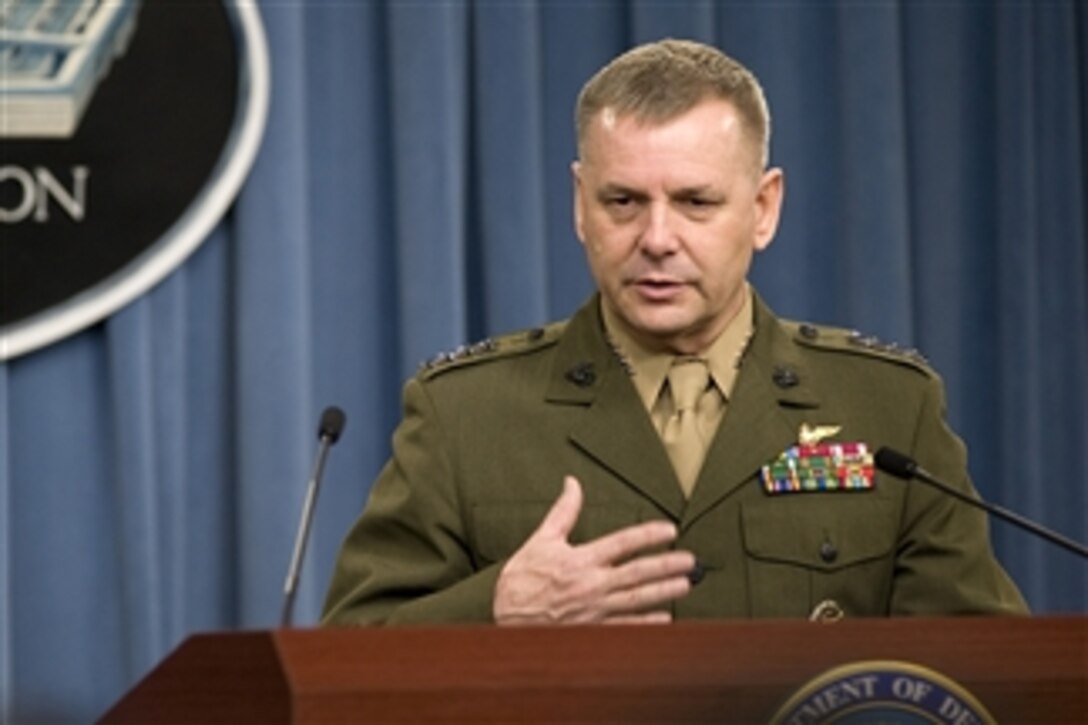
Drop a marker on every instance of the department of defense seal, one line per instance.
(882, 691)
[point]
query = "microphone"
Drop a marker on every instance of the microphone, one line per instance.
(328, 432)
(903, 466)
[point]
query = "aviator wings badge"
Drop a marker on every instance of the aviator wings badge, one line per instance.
(811, 435)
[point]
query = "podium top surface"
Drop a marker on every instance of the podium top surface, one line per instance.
(1021, 669)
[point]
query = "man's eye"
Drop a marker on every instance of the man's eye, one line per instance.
(619, 201)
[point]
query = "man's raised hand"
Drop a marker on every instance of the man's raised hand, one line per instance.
(607, 580)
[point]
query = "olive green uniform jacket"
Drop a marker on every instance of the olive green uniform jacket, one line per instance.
(488, 435)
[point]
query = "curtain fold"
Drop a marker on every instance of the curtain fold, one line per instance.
(413, 193)
(428, 66)
(133, 397)
(274, 370)
(1040, 289)
(6, 554)
(507, 240)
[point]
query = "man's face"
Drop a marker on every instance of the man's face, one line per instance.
(670, 216)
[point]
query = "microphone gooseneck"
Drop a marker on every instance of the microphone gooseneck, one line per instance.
(903, 466)
(328, 432)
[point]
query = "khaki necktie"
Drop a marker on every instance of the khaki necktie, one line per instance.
(688, 380)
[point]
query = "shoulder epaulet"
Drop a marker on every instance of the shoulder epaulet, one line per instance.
(492, 348)
(852, 341)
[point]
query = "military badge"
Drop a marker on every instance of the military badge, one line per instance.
(813, 465)
(810, 435)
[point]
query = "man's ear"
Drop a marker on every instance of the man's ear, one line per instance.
(769, 195)
(579, 203)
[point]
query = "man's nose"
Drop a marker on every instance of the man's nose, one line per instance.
(658, 234)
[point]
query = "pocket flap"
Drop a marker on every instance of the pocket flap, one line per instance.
(817, 531)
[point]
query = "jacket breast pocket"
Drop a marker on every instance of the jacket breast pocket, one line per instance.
(499, 529)
(803, 549)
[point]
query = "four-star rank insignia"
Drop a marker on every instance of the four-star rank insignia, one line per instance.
(815, 465)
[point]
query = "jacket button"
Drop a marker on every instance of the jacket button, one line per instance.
(828, 552)
(809, 332)
(696, 575)
(582, 375)
(785, 377)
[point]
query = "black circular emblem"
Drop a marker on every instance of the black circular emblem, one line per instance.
(127, 128)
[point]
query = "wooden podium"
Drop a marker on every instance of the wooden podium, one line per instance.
(1021, 669)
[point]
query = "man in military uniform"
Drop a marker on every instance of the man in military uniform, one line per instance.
(674, 450)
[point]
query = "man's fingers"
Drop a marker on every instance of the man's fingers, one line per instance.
(645, 597)
(646, 569)
(561, 517)
(625, 543)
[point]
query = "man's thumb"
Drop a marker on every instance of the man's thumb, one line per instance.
(560, 519)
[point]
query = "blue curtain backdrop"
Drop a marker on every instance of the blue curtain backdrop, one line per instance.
(413, 193)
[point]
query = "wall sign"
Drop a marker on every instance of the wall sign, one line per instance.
(126, 130)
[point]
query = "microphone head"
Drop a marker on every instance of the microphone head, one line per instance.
(896, 463)
(332, 424)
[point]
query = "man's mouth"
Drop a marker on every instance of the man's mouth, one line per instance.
(658, 288)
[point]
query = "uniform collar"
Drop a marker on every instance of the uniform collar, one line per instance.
(648, 368)
(584, 358)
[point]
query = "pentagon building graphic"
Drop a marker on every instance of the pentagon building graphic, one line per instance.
(53, 54)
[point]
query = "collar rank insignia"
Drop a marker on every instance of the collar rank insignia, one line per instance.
(812, 465)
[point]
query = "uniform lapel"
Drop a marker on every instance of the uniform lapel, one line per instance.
(615, 429)
(770, 400)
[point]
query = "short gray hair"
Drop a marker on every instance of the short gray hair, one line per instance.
(659, 81)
